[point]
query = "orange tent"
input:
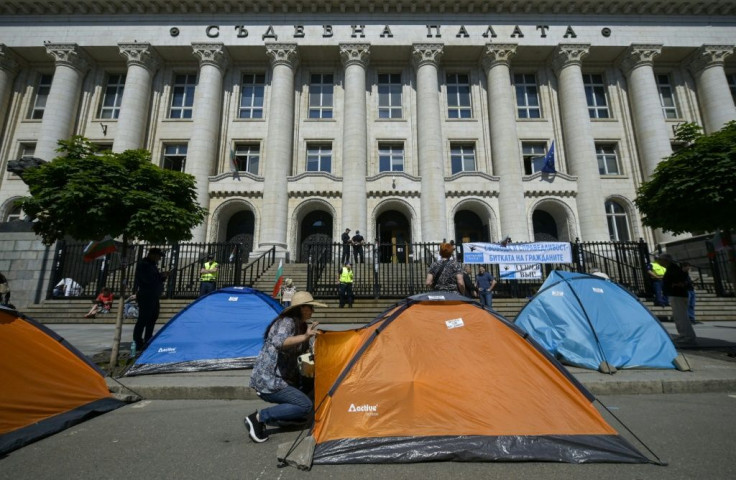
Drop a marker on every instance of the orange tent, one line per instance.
(440, 378)
(46, 385)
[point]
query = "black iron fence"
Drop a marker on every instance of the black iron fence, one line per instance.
(183, 261)
(399, 270)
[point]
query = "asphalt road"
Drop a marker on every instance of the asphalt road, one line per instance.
(183, 439)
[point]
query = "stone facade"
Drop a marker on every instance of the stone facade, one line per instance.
(409, 122)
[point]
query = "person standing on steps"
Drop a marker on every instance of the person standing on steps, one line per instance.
(346, 285)
(208, 276)
(345, 246)
(358, 242)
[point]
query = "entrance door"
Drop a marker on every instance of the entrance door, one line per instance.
(316, 229)
(545, 227)
(394, 235)
(469, 228)
(240, 231)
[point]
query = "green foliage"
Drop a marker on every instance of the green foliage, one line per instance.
(694, 189)
(88, 195)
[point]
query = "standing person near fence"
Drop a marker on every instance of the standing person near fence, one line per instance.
(358, 242)
(150, 287)
(446, 274)
(485, 283)
(345, 246)
(208, 276)
(346, 285)
(470, 290)
(674, 285)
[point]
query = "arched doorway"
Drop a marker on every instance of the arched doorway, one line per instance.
(545, 227)
(315, 228)
(469, 228)
(393, 231)
(240, 229)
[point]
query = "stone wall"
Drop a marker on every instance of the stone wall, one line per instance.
(26, 263)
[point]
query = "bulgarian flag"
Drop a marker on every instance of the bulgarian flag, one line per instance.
(279, 280)
(98, 248)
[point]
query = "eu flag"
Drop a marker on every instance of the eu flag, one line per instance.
(548, 165)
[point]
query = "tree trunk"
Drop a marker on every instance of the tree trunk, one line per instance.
(121, 306)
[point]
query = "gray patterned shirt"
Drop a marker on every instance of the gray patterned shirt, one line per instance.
(275, 368)
(448, 278)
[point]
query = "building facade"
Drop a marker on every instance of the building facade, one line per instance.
(408, 121)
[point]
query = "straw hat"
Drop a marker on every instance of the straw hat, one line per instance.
(302, 298)
(288, 282)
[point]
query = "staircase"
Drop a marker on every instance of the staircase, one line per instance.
(708, 306)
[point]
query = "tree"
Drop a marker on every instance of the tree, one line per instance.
(88, 195)
(694, 189)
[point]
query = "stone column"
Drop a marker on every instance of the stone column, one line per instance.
(206, 118)
(142, 63)
(650, 126)
(578, 138)
(714, 96)
(8, 69)
(279, 146)
(505, 142)
(430, 142)
(60, 114)
(355, 58)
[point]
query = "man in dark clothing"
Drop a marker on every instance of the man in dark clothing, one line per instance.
(674, 285)
(345, 247)
(470, 290)
(358, 242)
(150, 286)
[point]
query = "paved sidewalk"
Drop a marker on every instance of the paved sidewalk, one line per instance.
(712, 362)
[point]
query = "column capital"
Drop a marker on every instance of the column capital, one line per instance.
(497, 54)
(639, 55)
(567, 54)
(709, 56)
(139, 54)
(427, 53)
(283, 54)
(7, 59)
(69, 55)
(211, 54)
(355, 54)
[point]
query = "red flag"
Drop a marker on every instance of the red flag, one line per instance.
(279, 280)
(98, 248)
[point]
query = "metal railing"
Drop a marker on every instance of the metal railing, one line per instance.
(183, 261)
(399, 270)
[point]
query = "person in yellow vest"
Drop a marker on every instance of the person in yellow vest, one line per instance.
(656, 272)
(346, 285)
(208, 276)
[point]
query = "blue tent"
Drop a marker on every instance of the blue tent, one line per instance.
(586, 320)
(219, 331)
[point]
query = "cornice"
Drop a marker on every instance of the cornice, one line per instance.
(444, 7)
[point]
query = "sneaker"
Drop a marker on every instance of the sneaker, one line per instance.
(256, 429)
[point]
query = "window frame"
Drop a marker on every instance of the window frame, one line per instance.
(119, 90)
(595, 90)
(670, 112)
(43, 89)
(319, 91)
(456, 110)
(613, 218)
(250, 159)
(323, 151)
(177, 156)
(185, 110)
(390, 151)
(255, 111)
(392, 111)
(525, 87)
(460, 153)
(603, 158)
(528, 164)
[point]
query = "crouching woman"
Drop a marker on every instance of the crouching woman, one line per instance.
(275, 375)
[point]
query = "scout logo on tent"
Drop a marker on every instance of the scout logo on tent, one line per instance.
(47, 385)
(480, 392)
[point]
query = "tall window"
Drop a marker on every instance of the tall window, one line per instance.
(527, 96)
(113, 96)
(319, 157)
(595, 94)
(42, 95)
(251, 96)
(458, 96)
(26, 150)
(462, 157)
(607, 159)
(182, 97)
(667, 97)
(247, 157)
(389, 95)
(175, 157)
(731, 78)
(532, 154)
(321, 89)
(390, 157)
(618, 223)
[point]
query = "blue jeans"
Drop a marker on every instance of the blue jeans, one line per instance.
(293, 404)
(659, 298)
(691, 305)
(486, 298)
